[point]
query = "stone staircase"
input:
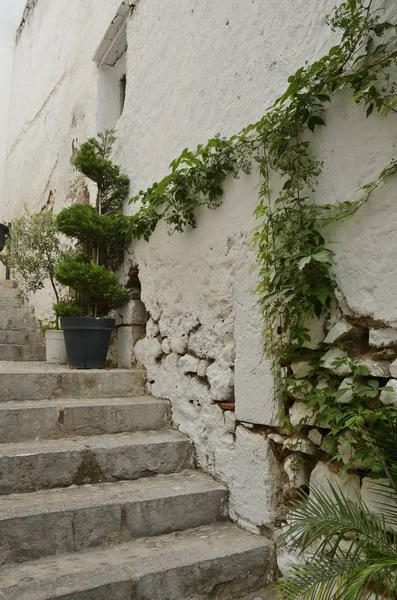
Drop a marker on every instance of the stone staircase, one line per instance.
(20, 335)
(99, 498)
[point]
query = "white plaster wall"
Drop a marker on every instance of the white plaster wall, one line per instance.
(196, 68)
(10, 16)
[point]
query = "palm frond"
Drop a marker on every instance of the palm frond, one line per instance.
(320, 579)
(327, 519)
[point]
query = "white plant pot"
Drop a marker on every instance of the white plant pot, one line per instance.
(55, 347)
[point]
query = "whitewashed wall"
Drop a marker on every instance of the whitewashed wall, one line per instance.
(10, 16)
(196, 68)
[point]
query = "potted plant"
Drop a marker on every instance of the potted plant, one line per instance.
(101, 234)
(32, 253)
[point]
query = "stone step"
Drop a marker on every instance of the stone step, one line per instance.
(46, 419)
(20, 338)
(31, 466)
(17, 314)
(69, 520)
(25, 324)
(26, 352)
(8, 284)
(218, 561)
(10, 300)
(38, 381)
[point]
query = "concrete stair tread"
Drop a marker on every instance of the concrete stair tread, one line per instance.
(32, 381)
(64, 418)
(218, 561)
(59, 463)
(83, 402)
(22, 346)
(40, 524)
(21, 337)
(22, 352)
(84, 496)
(44, 367)
(93, 442)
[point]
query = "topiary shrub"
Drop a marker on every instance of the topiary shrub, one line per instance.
(101, 233)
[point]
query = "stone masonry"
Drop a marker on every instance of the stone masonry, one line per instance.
(99, 496)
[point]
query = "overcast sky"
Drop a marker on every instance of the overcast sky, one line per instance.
(10, 17)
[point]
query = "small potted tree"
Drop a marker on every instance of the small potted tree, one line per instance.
(32, 253)
(101, 234)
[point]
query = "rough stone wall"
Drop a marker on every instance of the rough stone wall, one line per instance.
(196, 68)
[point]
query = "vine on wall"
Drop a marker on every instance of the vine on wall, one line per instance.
(295, 264)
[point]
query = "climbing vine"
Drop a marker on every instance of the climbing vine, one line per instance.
(295, 264)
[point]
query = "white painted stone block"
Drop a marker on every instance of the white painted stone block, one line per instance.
(315, 436)
(253, 490)
(221, 379)
(301, 369)
(383, 338)
(347, 396)
(188, 363)
(389, 398)
(301, 413)
(152, 329)
(338, 332)
(297, 443)
(323, 478)
(376, 368)
(338, 356)
(393, 369)
(379, 498)
(179, 344)
(295, 471)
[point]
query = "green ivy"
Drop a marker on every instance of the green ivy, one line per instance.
(295, 265)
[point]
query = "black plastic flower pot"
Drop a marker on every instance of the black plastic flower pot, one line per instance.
(87, 341)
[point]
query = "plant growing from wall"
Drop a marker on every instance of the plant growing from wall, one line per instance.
(366, 565)
(295, 265)
(101, 233)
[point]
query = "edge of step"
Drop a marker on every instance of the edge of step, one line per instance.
(42, 380)
(72, 519)
(219, 561)
(68, 417)
(30, 466)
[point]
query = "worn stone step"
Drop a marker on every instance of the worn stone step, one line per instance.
(10, 300)
(18, 314)
(38, 381)
(22, 323)
(46, 419)
(25, 352)
(8, 284)
(31, 466)
(218, 561)
(69, 520)
(18, 338)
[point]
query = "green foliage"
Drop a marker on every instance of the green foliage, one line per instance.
(33, 250)
(365, 566)
(343, 420)
(110, 232)
(101, 233)
(67, 308)
(195, 180)
(94, 284)
(295, 264)
(93, 160)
